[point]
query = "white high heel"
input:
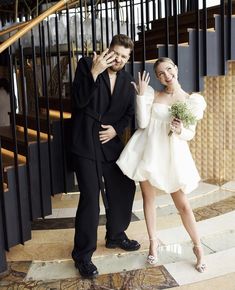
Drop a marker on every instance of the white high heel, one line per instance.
(200, 267)
(152, 260)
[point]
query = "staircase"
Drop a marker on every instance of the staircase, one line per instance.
(156, 35)
(32, 200)
(155, 47)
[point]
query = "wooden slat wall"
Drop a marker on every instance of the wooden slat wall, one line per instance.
(213, 148)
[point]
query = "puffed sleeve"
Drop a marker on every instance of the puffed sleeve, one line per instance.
(197, 104)
(143, 107)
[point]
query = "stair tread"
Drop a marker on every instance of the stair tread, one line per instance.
(8, 158)
(42, 119)
(177, 252)
(6, 132)
(5, 187)
(54, 103)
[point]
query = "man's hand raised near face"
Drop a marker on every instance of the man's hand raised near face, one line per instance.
(102, 62)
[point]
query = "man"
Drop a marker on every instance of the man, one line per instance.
(103, 105)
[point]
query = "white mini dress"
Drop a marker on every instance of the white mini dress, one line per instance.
(165, 161)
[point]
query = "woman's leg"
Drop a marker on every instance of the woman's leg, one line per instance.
(189, 222)
(149, 193)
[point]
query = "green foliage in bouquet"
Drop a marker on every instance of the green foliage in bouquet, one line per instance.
(181, 111)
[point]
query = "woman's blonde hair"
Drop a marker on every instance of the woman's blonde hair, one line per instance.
(161, 60)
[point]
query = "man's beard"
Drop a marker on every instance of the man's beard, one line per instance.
(116, 69)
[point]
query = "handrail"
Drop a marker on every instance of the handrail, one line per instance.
(22, 24)
(14, 27)
(31, 24)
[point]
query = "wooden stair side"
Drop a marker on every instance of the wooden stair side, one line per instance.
(40, 199)
(60, 171)
(16, 207)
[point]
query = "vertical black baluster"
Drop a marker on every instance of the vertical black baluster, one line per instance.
(132, 27)
(13, 127)
(69, 49)
(61, 105)
(47, 110)
(82, 30)
(101, 28)
(132, 63)
(166, 29)
(204, 38)
(112, 18)
(182, 6)
(223, 57)
(154, 9)
(159, 8)
(107, 23)
(49, 54)
(143, 34)
(192, 5)
(25, 115)
(147, 14)
(229, 29)
(176, 27)
(127, 19)
(134, 24)
(169, 8)
(41, 60)
(188, 6)
(37, 121)
(117, 16)
(76, 32)
(2, 201)
(197, 47)
(93, 26)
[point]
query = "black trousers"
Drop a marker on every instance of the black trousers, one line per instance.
(120, 191)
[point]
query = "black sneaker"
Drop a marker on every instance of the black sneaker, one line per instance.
(86, 269)
(126, 244)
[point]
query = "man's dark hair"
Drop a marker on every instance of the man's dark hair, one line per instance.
(122, 40)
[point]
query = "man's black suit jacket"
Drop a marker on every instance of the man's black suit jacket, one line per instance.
(93, 105)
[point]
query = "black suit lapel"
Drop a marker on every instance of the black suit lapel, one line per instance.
(118, 86)
(105, 77)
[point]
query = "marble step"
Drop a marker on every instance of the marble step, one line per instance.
(45, 244)
(175, 253)
(52, 248)
(65, 206)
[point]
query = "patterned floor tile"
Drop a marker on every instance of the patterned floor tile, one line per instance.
(152, 278)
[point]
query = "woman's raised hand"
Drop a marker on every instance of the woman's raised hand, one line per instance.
(143, 82)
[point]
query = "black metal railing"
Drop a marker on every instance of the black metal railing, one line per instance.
(3, 234)
(15, 145)
(2, 202)
(37, 119)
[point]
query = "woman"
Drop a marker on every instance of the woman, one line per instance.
(158, 160)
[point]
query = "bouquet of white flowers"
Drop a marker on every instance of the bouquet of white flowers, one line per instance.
(181, 111)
